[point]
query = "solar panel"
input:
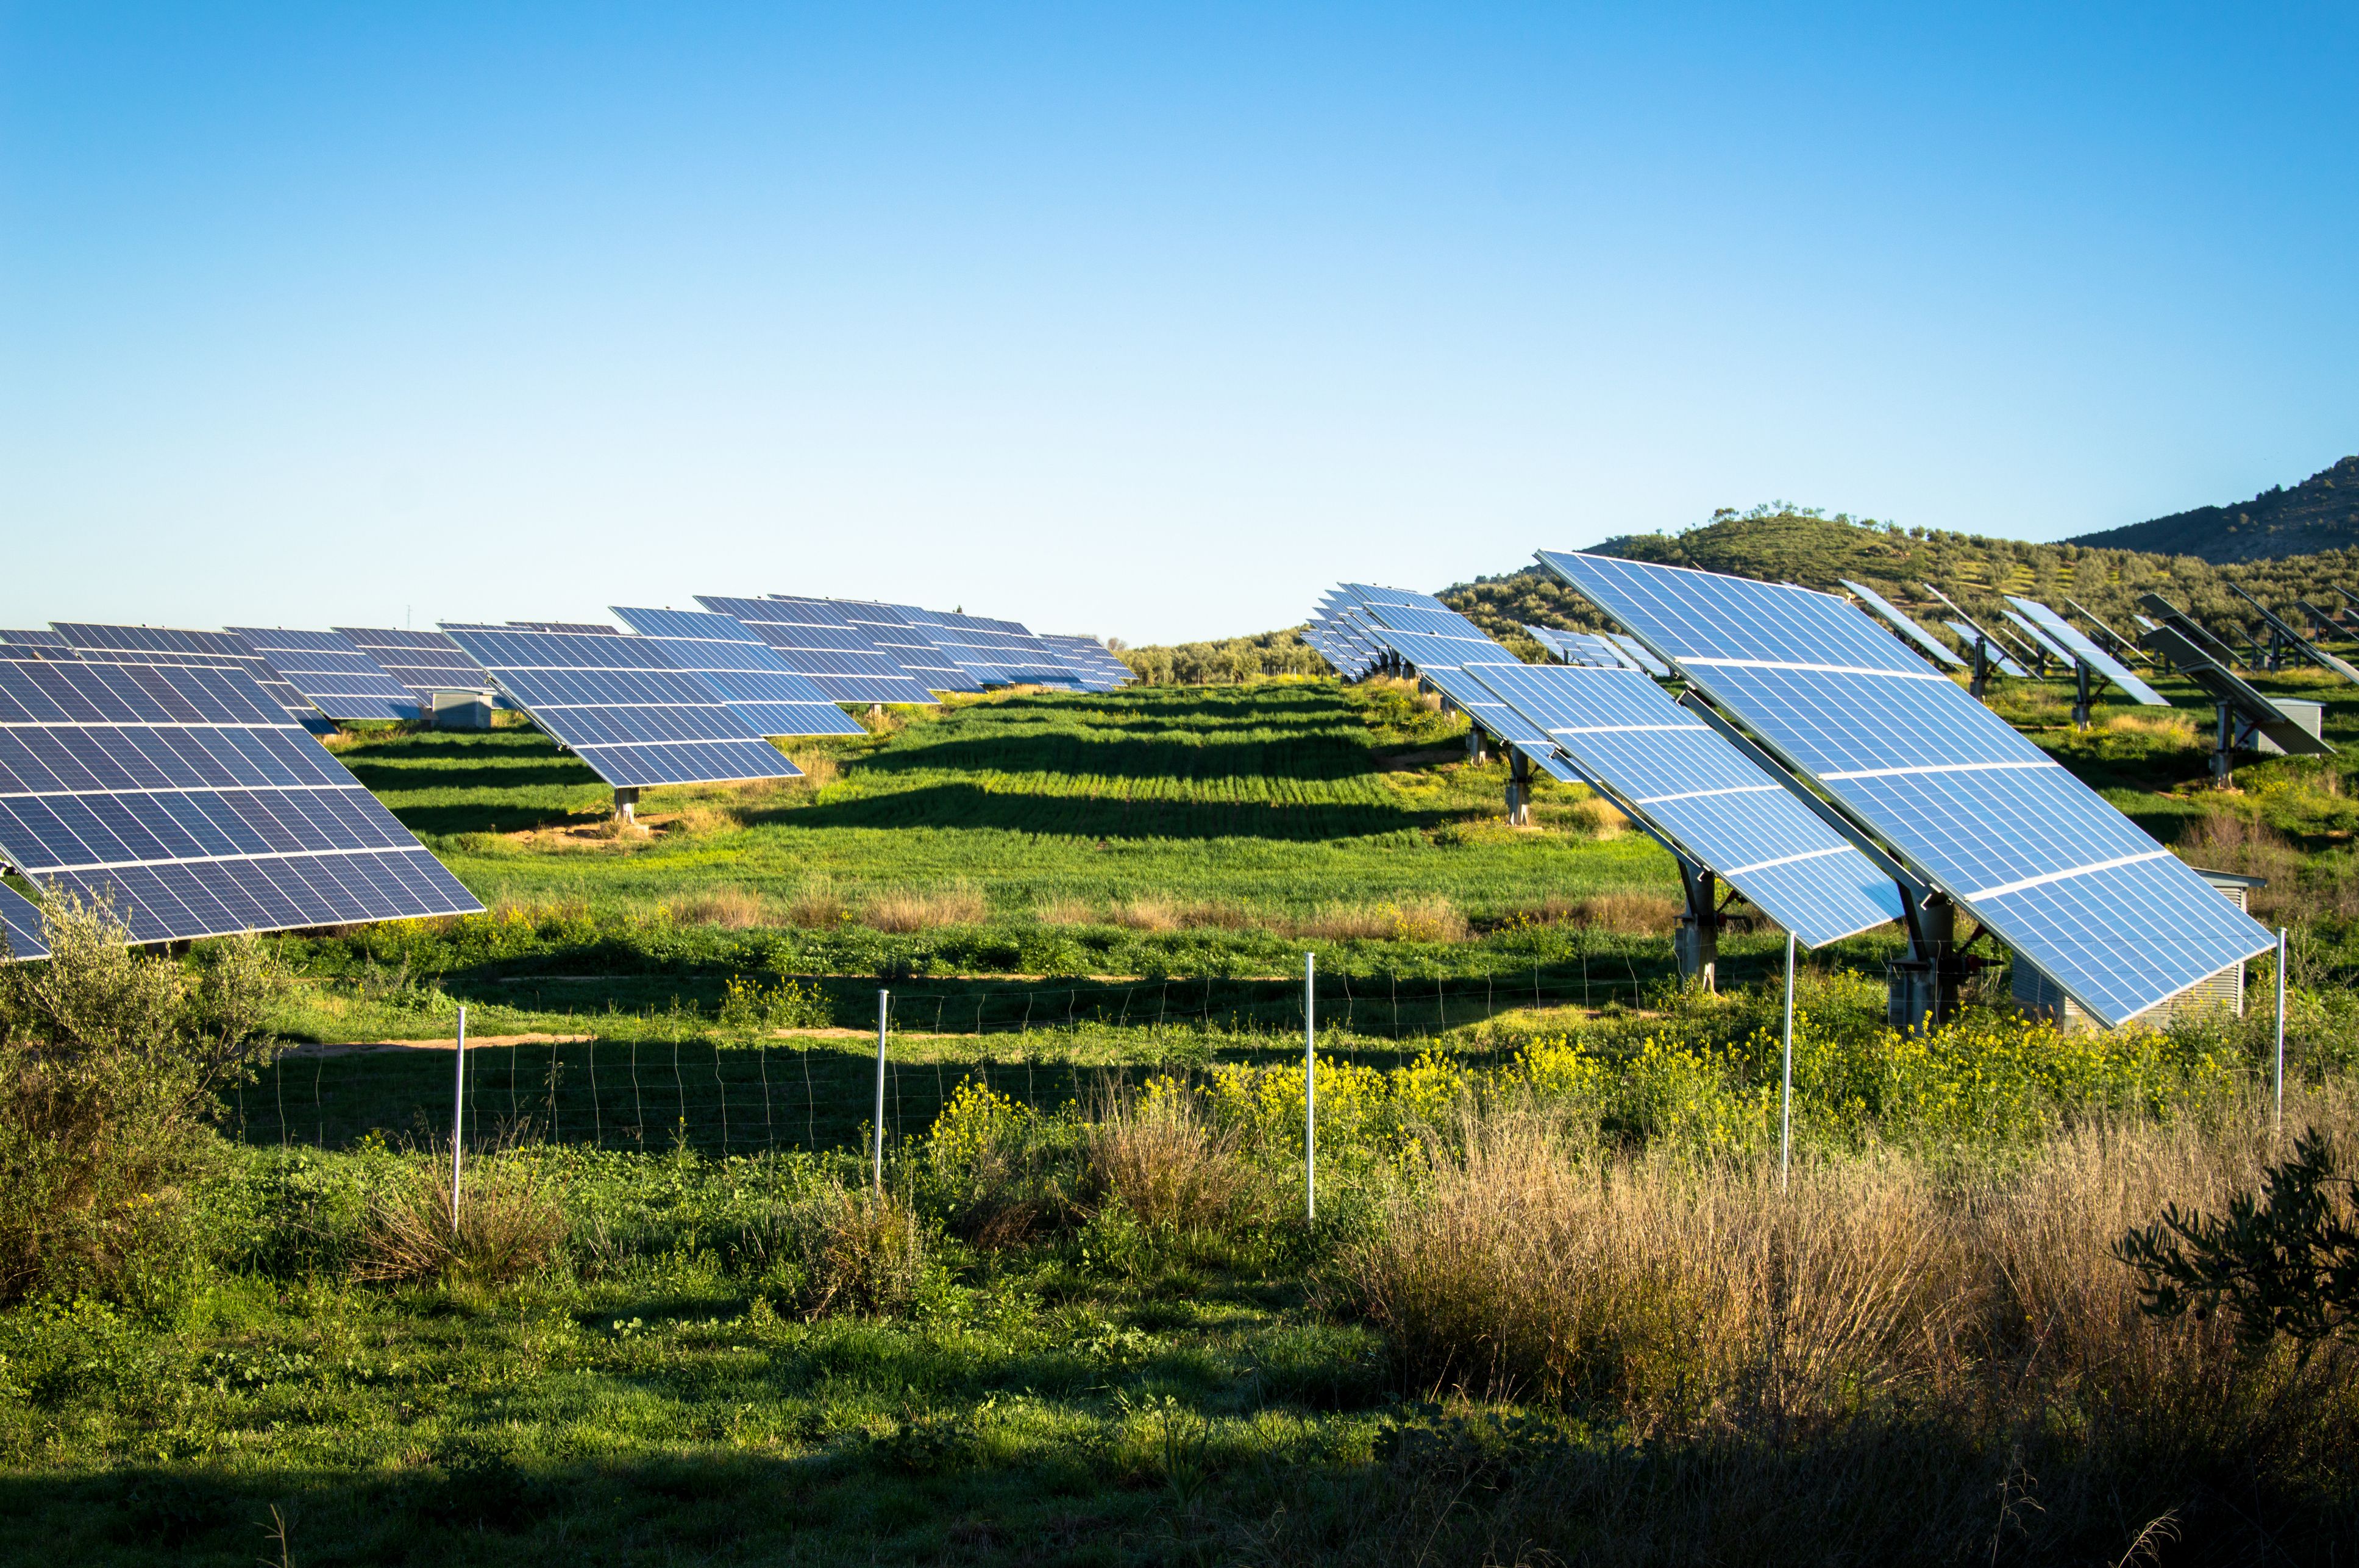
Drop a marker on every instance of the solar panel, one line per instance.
(1368, 593)
(2190, 628)
(990, 652)
(327, 667)
(2299, 644)
(187, 649)
(1900, 621)
(841, 661)
(577, 628)
(2040, 639)
(1352, 657)
(2063, 631)
(1977, 811)
(743, 670)
(1442, 662)
(1970, 636)
(1672, 772)
(187, 800)
(1638, 654)
(902, 640)
(620, 706)
(423, 662)
(1090, 659)
(20, 919)
(2114, 642)
(1581, 648)
(36, 637)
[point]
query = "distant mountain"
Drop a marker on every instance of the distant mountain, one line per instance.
(2322, 512)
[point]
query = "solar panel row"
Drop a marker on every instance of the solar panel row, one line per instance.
(332, 672)
(190, 650)
(423, 662)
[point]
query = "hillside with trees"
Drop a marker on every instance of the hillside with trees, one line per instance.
(2322, 512)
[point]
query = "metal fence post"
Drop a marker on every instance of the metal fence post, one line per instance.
(1309, 1090)
(457, 1110)
(883, 1000)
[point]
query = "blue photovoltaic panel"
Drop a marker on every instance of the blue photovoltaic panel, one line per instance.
(1368, 593)
(582, 628)
(1445, 661)
(623, 707)
(743, 670)
(2070, 884)
(898, 637)
(1900, 621)
(996, 652)
(330, 669)
(423, 662)
(185, 800)
(2058, 630)
(36, 637)
(2041, 639)
(182, 648)
(21, 920)
(1351, 657)
(1638, 655)
(1675, 773)
(1090, 659)
(1581, 648)
(842, 660)
(1967, 634)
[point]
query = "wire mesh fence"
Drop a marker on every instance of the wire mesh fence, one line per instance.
(665, 1082)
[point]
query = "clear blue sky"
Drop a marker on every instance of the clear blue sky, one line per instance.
(1139, 322)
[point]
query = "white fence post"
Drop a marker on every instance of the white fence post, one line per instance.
(883, 1000)
(1309, 1090)
(1785, 1101)
(458, 1112)
(2277, 1117)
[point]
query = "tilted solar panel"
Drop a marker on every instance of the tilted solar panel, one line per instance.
(1090, 659)
(579, 628)
(1900, 621)
(189, 649)
(623, 707)
(188, 801)
(743, 670)
(996, 652)
(1967, 634)
(330, 669)
(1638, 655)
(1674, 773)
(907, 643)
(2040, 640)
(20, 922)
(1369, 593)
(36, 637)
(424, 661)
(1979, 811)
(842, 660)
(1443, 662)
(2077, 643)
(1581, 648)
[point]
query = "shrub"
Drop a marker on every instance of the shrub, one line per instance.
(509, 1223)
(731, 908)
(111, 1062)
(924, 909)
(749, 1009)
(995, 1169)
(816, 905)
(1162, 1156)
(1428, 919)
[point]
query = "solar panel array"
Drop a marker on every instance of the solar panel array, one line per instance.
(817, 638)
(1090, 659)
(186, 799)
(331, 670)
(744, 671)
(2077, 645)
(623, 707)
(1900, 623)
(1581, 648)
(2116, 921)
(20, 921)
(423, 662)
(172, 646)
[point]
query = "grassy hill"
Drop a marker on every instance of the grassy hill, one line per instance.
(1802, 545)
(2322, 512)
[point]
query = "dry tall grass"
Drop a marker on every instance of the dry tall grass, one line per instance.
(509, 1223)
(2223, 840)
(2166, 723)
(816, 905)
(1164, 1159)
(1431, 918)
(731, 908)
(1598, 817)
(1149, 911)
(820, 768)
(924, 909)
(1700, 1297)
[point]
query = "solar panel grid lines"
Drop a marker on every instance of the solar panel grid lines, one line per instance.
(896, 635)
(1581, 648)
(2073, 639)
(331, 669)
(1369, 593)
(20, 921)
(1998, 655)
(2247, 703)
(815, 639)
(187, 800)
(2302, 644)
(729, 660)
(1689, 787)
(2040, 639)
(422, 662)
(623, 707)
(1901, 622)
(36, 637)
(189, 648)
(2119, 645)
(577, 628)
(2073, 887)
(1091, 660)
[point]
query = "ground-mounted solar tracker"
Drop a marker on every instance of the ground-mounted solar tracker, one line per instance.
(1900, 623)
(2245, 713)
(741, 670)
(1342, 647)
(1970, 635)
(423, 662)
(331, 670)
(620, 705)
(1638, 654)
(2048, 646)
(2215, 648)
(189, 649)
(1673, 774)
(894, 633)
(995, 652)
(2284, 639)
(20, 921)
(35, 637)
(2078, 648)
(1581, 648)
(842, 660)
(1090, 659)
(1443, 663)
(187, 800)
(2112, 640)
(1970, 809)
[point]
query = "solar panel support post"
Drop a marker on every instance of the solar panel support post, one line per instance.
(1519, 789)
(1921, 989)
(458, 1110)
(627, 804)
(2223, 745)
(2081, 694)
(1695, 940)
(1981, 668)
(883, 1001)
